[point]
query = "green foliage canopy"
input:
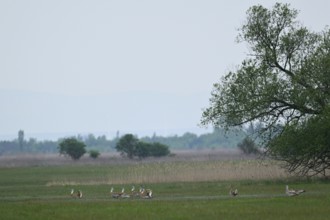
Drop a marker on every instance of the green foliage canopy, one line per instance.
(72, 147)
(130, 146)
(127, 145)
(283, 84)
(94, 154)
(247, 146)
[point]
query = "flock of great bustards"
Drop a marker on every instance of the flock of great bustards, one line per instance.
(147, 193)
(142, 193)
(288, 192)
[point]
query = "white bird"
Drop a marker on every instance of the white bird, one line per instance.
(292, 192)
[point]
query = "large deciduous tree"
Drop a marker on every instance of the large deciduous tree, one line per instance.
(284, 84)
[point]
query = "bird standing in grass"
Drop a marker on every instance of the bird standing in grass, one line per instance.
(124, 195)
(233, 192)
(116, 195)
(145, 193)
(72, 192)
(134, 193)
(79, 194)
(292, 192)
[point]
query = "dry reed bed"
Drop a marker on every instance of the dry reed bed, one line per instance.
(185, 166)
(183, 171)
(114, 158)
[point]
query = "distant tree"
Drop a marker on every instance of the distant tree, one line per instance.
(247, 146)
(143, 149)
(217, 139)
(189, 139)
(159, 150)
(21, 139)
(127, 145)
(72, 147)
(94, 154)
(8, 147)
(156, 149)
(91, 140)
(131, 147)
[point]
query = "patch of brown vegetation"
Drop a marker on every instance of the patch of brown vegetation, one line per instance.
(115, 158)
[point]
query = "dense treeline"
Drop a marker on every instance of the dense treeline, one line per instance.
(131, 147)
(217, 139)
(30, 146)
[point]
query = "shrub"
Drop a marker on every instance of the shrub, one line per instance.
(72, 147)
(132, 147)
(127, 145)
(94, 154)
(159, 150)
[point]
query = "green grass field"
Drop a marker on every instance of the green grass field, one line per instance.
(44, 192)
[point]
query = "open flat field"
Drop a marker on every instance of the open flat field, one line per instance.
(183, 189)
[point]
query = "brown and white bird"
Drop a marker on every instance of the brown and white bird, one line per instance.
(145, 193)
(79, 194)
(134, 193)
(233, 192)
(124, 195)
(116, 195)
(292, 192)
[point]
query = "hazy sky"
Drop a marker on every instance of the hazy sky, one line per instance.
(75, 66)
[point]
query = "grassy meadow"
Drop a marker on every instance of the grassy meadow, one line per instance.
(188, 189)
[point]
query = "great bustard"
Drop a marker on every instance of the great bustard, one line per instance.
(134, 193)
(124, 195)
(116, 195)
(233, 192)
(145, 193)
(79, 194)
(292, 192)
(72, 192)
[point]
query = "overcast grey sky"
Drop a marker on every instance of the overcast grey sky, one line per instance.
(98, 66)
